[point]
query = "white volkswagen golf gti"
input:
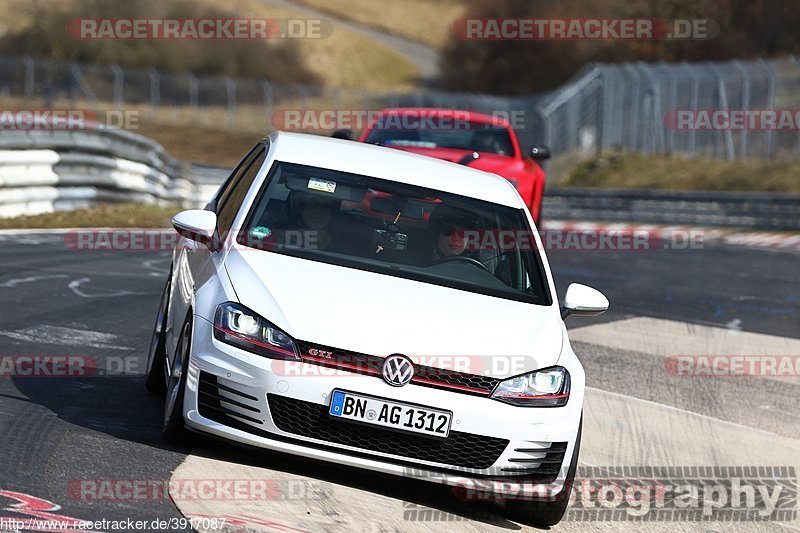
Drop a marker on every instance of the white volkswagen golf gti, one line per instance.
(378, 309)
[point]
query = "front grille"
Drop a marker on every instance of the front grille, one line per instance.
(440, 377)
(311, 420)
(423, 375)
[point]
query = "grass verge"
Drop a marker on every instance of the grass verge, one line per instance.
(199, 135)
(101, 216)
(632, 171)
(204, 145)
(424, 21)
(341, 58)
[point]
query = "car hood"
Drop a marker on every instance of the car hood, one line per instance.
(377, 314)
(498, 164)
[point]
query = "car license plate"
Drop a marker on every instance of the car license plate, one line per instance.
(390, 414)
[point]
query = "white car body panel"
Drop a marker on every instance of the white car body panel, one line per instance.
(372, 314)
(381, 315)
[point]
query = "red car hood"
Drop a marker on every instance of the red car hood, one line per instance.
(499, 164)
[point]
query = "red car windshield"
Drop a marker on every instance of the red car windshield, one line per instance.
(472, 136)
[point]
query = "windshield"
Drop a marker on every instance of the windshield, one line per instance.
(473, 136)
(396, 229)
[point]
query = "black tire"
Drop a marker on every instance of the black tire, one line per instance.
(156, 380)
(546, 514)
(174, 426)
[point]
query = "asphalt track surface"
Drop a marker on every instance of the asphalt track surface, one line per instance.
(55, 432)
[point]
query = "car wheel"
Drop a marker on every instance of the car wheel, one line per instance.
(174, 428)
(545, 514)
(156, 380)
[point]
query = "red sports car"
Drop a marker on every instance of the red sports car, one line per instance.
(481, 141)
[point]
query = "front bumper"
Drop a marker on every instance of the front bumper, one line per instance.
(493, 447)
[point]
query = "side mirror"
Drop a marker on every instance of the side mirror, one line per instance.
(343, 134)
(198, 225)
(582, 300)
(540, 153)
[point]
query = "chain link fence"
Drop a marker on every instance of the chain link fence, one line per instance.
(178, 98)
(661, 108)
(632, 106)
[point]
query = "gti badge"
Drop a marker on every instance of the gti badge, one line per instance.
(320, 353)
(397, 370)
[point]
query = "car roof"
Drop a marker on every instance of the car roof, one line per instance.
(461, 114)
(395, 165)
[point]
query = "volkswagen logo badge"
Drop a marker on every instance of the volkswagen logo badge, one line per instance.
(397, 370)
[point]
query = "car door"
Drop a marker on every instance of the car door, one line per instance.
(193, 263)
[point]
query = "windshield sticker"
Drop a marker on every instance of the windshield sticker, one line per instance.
(322, 185)
(260, 232)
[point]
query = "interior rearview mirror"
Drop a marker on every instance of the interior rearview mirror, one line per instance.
(582, 300)
(198, 225)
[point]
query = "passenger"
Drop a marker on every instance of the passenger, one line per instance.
(315, 211)
(311, 215)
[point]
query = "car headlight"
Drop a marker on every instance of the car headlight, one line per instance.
(238, 326)
(548, 387)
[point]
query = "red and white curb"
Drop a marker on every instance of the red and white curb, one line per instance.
(693, 235)
(765, 240)
(737, 237)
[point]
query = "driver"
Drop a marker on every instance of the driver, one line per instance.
(312, 220)
(449, 227)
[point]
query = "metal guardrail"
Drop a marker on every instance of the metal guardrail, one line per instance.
(42, 171)
(752, 210)
(206, 180)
